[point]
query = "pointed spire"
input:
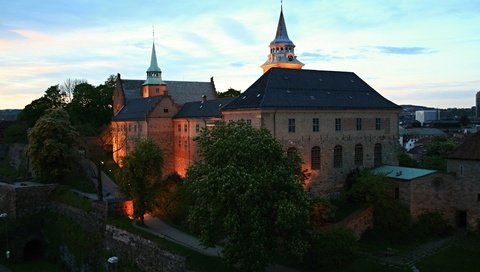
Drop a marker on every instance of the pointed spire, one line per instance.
(282, 35)
(154, 74)
(153, 61)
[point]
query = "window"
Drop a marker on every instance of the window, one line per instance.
(359, 123)
(358, 157)
(377, 155)
(378, 123)
(185, 127)
(249, 122)
(338, 124)
(337, 157)
(461, 170)
(315, 125)
(291, 152)
(478, 197)
(197, 127)
(291, 125)
(315, 157)
(179, 143)
(165, 110)
(179, 128)
(185, 144)
(157, 90)
(397, 193)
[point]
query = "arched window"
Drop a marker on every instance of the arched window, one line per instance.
(377, 155)
(337, 156)
(315, 158)
(358, 157)
(291, 152)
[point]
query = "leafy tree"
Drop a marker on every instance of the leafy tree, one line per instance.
(369, 188)
(91, 107)
(406, 161)
(437, 152)
(249, 194)
(16, 133)
(141, 175)
(53, 98)
(52, 145)
(230, 93)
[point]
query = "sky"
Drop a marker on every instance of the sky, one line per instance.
(412, 52)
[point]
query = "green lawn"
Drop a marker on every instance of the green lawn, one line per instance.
(463, 255)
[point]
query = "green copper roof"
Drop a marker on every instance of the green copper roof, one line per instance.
(153, 62)
(402, 173)
(154, 81)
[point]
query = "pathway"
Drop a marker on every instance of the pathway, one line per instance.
(161, 229)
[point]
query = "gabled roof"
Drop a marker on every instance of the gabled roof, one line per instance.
(181, 91)
(295, 88)
(199, 109)
(402, 173)
(468, 150)
(137, 109)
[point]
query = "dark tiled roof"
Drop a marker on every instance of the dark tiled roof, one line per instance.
(292, 88)
(468, 150)
(137, 109)
(209, 108)
(181, 91)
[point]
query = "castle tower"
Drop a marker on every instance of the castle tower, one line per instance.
(282, 49)
(154, 85)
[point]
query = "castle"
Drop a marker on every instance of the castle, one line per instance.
(334, 120)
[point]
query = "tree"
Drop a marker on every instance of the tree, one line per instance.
(230, 93)
(369, 188)
(53, 98)
(437, 152)
(91, 107)
(69, 85)
(249, 194)
(141, 175)
(52, 145)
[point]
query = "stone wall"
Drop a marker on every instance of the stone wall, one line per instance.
(24, 198)
(147, 255)
(358, 222)
(447, 194)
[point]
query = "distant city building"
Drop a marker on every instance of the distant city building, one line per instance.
(427, 115)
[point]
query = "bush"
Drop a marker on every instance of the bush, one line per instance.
(173, 200)
(321, 212)
(393, 220)
(430, 225)
(331, 249)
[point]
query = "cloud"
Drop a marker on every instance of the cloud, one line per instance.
(236, 30)
(403, 50)
(237, 64)
(318, 55)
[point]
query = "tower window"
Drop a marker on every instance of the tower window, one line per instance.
(291, 125)
(179, 128)
(165, 110)
(315, 125)
(197, 127)
(338, 124)
(377, 155)
(358, 156)
(337, 157)
(359, 123)
(315, 157)
(185, 127)
(378, 123)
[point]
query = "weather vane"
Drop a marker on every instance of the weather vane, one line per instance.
(153, 32)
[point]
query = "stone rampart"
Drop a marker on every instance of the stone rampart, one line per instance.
(146, 254)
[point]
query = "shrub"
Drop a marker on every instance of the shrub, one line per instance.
(392, 219)
(321, 212)
(430, 225)
(331, 249)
